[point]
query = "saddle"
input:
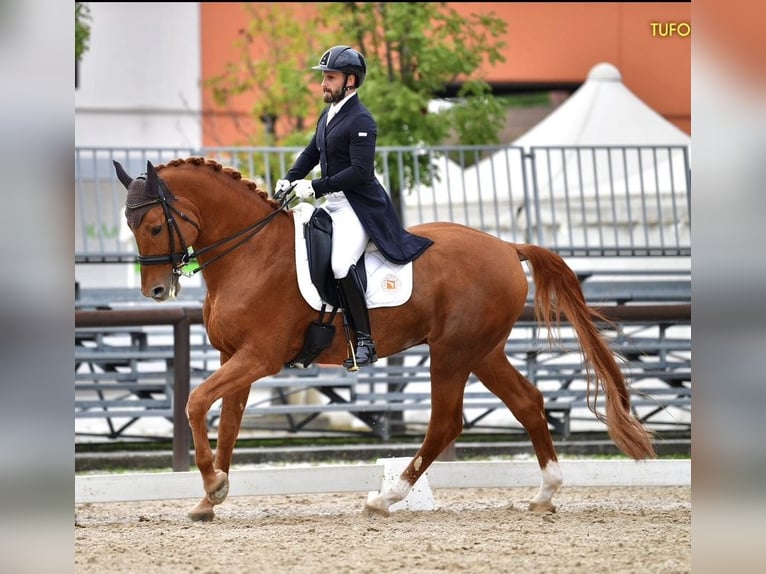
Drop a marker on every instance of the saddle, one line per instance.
(318, 233)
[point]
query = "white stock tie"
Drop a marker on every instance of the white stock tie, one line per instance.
(331, 113)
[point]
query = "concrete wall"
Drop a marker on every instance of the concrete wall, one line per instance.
(139, 81)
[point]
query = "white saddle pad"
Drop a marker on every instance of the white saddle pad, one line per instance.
(388, 284)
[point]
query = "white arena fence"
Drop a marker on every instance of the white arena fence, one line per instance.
(372, 478)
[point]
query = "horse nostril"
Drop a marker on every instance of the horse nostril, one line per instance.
(158, 292)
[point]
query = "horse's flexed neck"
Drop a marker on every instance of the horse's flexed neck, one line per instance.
(232, 211)
(225, 202)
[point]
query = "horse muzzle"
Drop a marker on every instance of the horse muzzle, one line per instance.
(164, 291)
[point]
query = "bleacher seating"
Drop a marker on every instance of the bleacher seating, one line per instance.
(125, 373)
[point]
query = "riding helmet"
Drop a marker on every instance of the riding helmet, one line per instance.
(343, 59)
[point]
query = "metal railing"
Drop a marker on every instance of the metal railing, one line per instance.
(578, 201)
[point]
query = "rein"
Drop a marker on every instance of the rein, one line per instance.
(178, 259)
(248, 233)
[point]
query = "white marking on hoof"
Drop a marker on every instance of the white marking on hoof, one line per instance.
(552, 480)
(381, 502)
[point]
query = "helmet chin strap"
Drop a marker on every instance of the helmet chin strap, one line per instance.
(345, 88)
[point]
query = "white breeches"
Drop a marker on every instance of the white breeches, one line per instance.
(349, 238)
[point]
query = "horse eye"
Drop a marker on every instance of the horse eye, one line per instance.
(156, 230)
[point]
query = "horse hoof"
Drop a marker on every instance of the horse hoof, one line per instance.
(373, 510)
(203, 512)
(541, 507)
(220, 489)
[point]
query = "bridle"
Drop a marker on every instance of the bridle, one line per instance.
(179, 259)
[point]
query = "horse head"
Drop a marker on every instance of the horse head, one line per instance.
(162, 231)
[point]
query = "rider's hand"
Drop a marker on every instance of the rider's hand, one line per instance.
(282, 188)
(303, 189)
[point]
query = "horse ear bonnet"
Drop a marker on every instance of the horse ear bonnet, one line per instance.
(138, 202)
(143, 194)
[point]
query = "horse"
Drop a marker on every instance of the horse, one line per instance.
(469, 288)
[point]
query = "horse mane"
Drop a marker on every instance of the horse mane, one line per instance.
(216, 166)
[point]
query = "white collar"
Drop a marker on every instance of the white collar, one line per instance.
(335, 108)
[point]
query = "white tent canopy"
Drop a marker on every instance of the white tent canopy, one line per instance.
(603, 111)
(596, 173)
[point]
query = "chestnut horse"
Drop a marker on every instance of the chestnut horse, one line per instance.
(469, 290)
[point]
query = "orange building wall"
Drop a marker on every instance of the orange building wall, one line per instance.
(546, 43)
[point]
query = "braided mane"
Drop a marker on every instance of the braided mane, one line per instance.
(214, 165)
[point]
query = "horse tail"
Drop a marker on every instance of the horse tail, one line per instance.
(557, 291)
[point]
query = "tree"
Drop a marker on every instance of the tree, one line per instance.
(415, 52)
(279, 79)
(82, 18)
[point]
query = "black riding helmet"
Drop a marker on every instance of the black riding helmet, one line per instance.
(344, 59)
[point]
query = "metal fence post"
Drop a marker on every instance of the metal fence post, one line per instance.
(181, 384)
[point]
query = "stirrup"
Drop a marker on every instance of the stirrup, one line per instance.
(364, 356)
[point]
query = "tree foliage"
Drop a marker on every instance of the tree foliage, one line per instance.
(82, 20)
(415, 52)
(279, 78)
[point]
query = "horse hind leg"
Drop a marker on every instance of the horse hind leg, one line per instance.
(525, 401)
(444, 426)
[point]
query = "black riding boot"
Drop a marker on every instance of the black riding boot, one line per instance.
(355, 307)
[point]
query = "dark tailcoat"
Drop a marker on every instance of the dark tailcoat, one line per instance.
(345, 151)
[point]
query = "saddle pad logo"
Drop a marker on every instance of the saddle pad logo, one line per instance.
(391, 282)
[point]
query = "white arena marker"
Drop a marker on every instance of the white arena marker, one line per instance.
(420, 496)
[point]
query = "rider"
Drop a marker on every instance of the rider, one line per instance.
(361, 209)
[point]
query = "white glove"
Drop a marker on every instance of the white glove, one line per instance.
(303, 189)
(281, 188)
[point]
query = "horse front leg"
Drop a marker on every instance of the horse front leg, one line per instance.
(232, 380)
(232, 409)
(444, 426)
